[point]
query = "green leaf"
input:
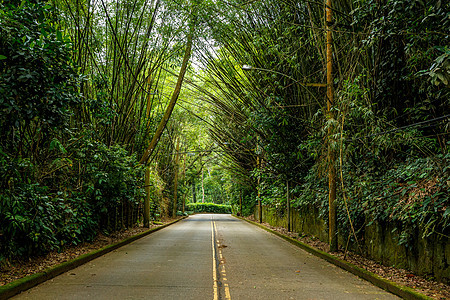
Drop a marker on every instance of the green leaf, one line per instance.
(2, 57)
(55, 144)
(446, 213)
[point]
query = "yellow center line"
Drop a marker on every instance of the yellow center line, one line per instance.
(222, 267)
(216, 290)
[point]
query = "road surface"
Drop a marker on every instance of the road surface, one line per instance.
(207, 257)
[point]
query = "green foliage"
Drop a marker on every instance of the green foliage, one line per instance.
(38, 93)
(412, 197)
(209, 208)
(244, 196)
(28, 218)
(156, 189)
(406, 37)
(313, 193)
(213, 185)
(109, 176)
(34, 219)
(439, 71)
(38, 82)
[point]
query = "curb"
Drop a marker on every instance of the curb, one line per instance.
(392, 287)
(25, 283)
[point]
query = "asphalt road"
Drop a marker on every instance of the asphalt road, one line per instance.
(207, 257)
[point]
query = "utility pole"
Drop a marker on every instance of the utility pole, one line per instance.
(176, 180)
(330, 115)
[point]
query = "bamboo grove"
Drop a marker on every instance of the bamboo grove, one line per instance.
(95, 94)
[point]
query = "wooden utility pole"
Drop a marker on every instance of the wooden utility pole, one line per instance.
(288, 207)
(147, 198)
(175, 192)
(330, 115)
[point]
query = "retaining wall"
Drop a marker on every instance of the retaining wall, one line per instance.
(425, 256)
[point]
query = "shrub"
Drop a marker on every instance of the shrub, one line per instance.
(209, 208)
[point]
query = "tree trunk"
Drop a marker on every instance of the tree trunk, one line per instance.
(176, 180)
(203, 189)
(173, 100)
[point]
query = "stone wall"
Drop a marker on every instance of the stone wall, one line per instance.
(426, 256)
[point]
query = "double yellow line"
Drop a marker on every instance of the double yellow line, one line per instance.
(219, 263)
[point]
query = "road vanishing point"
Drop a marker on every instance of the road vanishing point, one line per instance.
(207, 256)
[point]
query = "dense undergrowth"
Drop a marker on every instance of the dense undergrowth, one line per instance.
(413, 197)
(91, 188)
